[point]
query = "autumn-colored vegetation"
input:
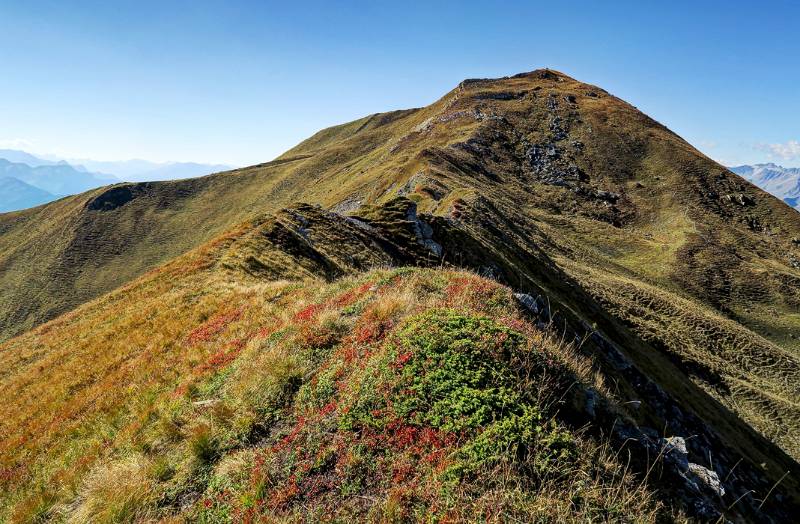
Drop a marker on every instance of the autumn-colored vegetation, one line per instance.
(394, 395)
(280, 344)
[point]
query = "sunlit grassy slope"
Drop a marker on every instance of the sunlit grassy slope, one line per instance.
(200, 392)
(547, 185)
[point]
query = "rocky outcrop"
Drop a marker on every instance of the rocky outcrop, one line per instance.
(114, 197)
(702, 479)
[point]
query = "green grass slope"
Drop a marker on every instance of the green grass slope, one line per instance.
(680, 278)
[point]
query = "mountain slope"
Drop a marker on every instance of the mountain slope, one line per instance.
(16, 194)
(227, 368)
(101, 239)
(782, 182)
(223, 372)
(681, 277)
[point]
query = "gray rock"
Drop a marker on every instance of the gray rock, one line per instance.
(697, 477)
(359, 224)
(745, 200)
(608, 196)
(591, 402)
(705, 479)
(741, 199)
(347, 205)
(423, 231)
(537, 306)
(675, 452)
(433, 246)
(550, 166)
(559, 133)
(530, 303)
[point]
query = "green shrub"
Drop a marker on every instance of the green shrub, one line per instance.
(457, 375)
(466, 376)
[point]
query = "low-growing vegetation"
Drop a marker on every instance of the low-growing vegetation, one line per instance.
(392, 396)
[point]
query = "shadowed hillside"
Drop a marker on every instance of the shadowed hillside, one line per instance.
(677, 279)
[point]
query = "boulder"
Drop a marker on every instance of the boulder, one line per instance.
(698, 477)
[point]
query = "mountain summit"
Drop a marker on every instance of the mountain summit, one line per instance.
(783, 182)
(672, 277)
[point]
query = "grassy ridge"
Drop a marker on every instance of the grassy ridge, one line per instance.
(55, 257)
(229, 382)
(539, 181)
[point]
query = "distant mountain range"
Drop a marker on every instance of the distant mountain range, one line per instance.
(144, 171)
(58, 179)
(782, 182)
(21, 157)
(29, 180)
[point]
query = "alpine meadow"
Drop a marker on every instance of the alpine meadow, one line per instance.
(525, 302)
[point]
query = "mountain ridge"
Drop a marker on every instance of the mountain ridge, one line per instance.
(682, 275)
(60, 178)
(780, 181)
(316, 242)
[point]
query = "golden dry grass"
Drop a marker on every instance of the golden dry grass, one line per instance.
(139, 393)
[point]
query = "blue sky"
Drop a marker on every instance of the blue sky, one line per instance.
(240, 82)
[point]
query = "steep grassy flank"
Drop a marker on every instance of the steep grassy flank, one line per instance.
(752, 376)
(245, 398)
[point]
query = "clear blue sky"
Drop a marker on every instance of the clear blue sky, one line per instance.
(240, 82)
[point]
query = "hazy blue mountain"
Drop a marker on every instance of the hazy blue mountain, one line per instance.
(16, 194)
(21, 157)
(143, 170)
(29, 180)
(58, 179)
(783, 182)
(128, 170)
